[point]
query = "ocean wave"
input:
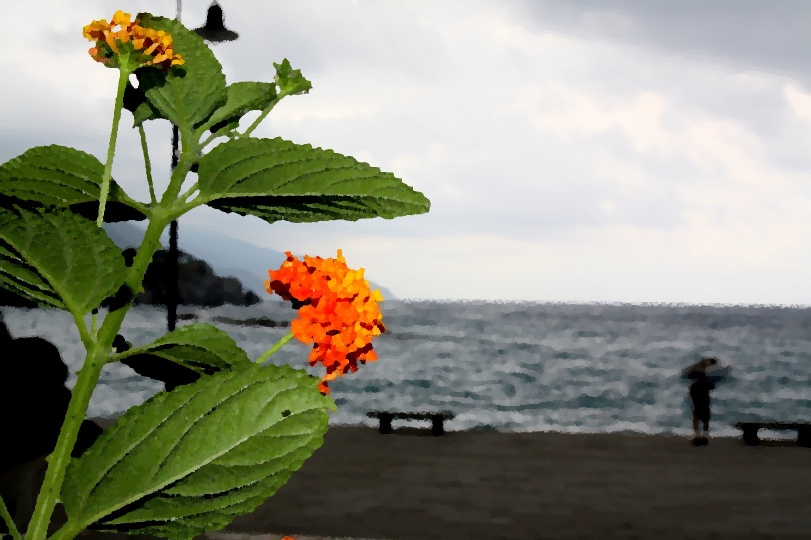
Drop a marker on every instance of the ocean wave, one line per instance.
(513, 367)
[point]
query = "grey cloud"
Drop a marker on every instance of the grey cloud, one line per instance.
(789, 150)
(513, 181)
(13, 143)
(497, 198)
(761, 110)
(558, 198)
(532, 194)
(320, 37)
(764, 112)
(749, 34)
(756, 103)
(386, 135)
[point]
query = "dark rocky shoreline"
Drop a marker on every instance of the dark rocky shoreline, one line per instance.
(198, 285)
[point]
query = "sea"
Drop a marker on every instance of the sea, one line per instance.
(511, 366)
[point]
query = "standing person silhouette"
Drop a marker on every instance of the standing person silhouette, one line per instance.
(700, 396)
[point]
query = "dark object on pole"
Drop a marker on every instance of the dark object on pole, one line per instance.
(214, 29)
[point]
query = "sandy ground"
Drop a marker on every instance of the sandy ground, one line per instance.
(247, 536)
(488, 485)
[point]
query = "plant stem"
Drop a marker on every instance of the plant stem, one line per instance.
(147, 164)
(275, 348)
(88, 377)
(84, 335)
(208, 139)
(189, 192)
(12, 527)
(97, 356)
(185, 161)
(263, 115)
(58, 460)
(123, 75)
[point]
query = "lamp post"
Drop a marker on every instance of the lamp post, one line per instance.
(213, 31)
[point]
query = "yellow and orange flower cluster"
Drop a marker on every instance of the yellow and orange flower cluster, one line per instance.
(151, 47)
(337, 311)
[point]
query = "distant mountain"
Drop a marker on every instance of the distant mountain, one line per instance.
(198, 284)
(228, 256)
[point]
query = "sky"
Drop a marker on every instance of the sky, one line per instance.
(577, 151)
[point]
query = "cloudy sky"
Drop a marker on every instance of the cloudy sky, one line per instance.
(617, 151)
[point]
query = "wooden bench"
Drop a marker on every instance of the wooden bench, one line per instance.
(750, 430)
(436, 418)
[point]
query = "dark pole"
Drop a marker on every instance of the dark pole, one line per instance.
(172, 267)
(215, 32)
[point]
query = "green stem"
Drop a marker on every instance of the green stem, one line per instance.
(143, 256)
(188, 192)
(12, 527)
(231, 134)
(263, 115)
(100, 344)
(66, 532)
(97, 355)
(58, 460)
(84, 335)
(123, 75)
(187, 158)
(208, 139)
(275, 348)
(147, 164)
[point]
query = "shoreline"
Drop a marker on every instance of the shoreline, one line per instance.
(727, 432)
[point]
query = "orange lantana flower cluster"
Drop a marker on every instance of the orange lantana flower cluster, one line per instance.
(153, 47)
(337, 311)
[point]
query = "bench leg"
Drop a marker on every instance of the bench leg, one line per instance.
(385, 424)
(750, 436)
(804, 436)
(437, 428)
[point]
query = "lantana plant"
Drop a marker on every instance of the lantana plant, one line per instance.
(189, 460)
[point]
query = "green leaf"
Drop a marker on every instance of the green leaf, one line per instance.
(201, 347)
(189, 461)
(53, 256)
(242, 98)
(291, 81)
(61, 176)
(188, 93)
(277, 180)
